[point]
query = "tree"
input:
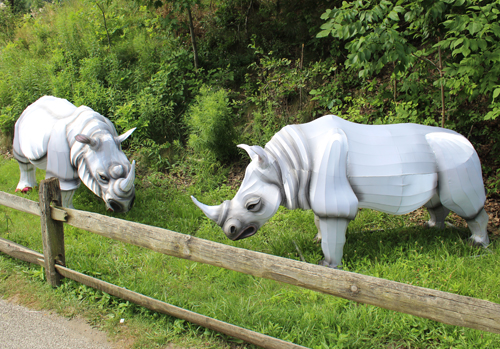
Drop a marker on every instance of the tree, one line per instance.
(179, 7)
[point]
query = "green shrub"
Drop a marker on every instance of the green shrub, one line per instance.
(210, 123)
(7, 22)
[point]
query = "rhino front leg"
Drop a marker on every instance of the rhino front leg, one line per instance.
(27, 178)
(332, 240)
(67, 198)
(317, 238)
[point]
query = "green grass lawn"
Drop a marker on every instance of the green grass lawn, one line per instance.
(390, 247)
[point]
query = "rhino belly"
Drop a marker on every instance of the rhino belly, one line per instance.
(394, 194)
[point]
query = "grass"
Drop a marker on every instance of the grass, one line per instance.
(390, 247)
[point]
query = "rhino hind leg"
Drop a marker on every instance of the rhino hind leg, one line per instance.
(437, 213)
(478, 226)
(333, 240)
(460, 182)
(27, 178)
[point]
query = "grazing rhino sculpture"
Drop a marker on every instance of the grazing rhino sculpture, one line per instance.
(334, 167)
(74, 144)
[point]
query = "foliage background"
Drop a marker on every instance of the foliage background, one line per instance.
(278, 63)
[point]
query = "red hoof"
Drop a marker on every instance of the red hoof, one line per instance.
(24, 190)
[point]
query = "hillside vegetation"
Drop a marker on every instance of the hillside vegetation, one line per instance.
(259, 66)
(198, 77)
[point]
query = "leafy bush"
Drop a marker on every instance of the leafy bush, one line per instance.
(211, 124)
(424, 44)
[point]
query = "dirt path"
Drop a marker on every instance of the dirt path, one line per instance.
(23, 328)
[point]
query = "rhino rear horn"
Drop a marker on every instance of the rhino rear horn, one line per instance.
(126, 184)
(86, 140)
(256, 152)
(124, 136)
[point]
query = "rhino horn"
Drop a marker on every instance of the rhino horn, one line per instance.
(126, 184)
(124, 136)
(216, 213)
(256, 153)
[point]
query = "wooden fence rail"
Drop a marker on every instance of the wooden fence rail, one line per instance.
(28, 255)
(436, 305)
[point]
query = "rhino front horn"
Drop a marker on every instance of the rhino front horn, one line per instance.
(127, 183)
(216, 213)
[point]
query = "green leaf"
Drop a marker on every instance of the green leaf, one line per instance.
(495, 28)
(326, 15)
(399, 9)
(496, 93)
(473, 44)
(327, 26)
(393, 15)
(323, 33)
(475, 27)
(492, 115)
(482, 44)
(457, 42)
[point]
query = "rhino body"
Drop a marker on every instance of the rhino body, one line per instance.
(334, 167)
(73, 144)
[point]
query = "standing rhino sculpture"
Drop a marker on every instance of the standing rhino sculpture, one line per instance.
(334, 167)
(74, 144)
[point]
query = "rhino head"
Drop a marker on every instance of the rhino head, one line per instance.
(106, 171)
(257, 200)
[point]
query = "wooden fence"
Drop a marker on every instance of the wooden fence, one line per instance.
(436, 305)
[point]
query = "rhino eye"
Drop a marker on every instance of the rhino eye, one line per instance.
(253, 205)
(103, 178)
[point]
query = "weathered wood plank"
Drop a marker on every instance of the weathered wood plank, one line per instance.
(20, 252)
(52, 230)
(427, 303)
(162, 307)
(19, 203)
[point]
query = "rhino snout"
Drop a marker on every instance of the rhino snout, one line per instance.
(234, 230)
(117, 206)
(114, 206)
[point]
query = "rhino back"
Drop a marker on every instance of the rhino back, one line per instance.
(35, 125)
(391, 168)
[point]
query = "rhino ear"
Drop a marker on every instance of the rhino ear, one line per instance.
(124, 136)
(256, 153)
(86, 140)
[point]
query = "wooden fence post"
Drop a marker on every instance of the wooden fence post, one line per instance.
(52, 231)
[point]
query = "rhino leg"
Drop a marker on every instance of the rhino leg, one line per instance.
(477, 226)
(27, 178)
(67, 198)
(333, 240)
(461, 187)
(317, 238)
(437, 213)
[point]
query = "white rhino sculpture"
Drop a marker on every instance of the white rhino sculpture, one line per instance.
(334, 167)
(74, 144)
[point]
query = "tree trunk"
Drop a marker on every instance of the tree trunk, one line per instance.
(442, 88)
(193, 38)
(105, 24)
